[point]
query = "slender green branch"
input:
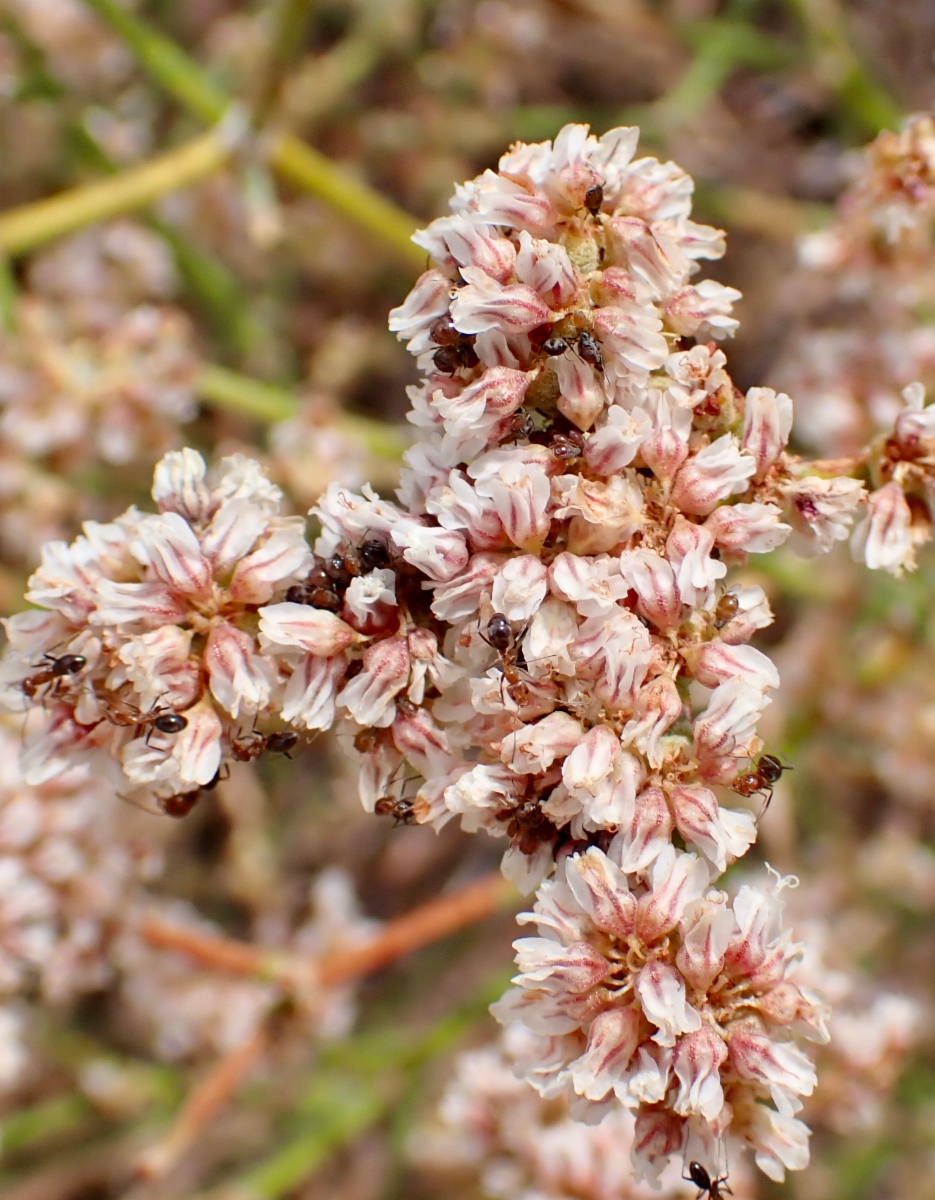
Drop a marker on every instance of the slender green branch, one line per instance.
(24, 228)
(311, 170)
(841, 68)
(253, 398)
(269, 403)
(168, 63)
(292, 158)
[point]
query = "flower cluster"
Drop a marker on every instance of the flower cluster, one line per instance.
(861, 303)
(65, 881)
(525, 1148)
(663, 996)
(157, 648)
(538, 639)
(98, 368)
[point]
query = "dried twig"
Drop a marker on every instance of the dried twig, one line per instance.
(202, 1103)
(424, 925)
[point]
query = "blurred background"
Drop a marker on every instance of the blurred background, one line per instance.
(220, 290)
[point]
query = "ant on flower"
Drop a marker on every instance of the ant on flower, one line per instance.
(246, 749)
(161, 720)
(500, 637)
(766, 773)
(59, 669)
(714, 1188)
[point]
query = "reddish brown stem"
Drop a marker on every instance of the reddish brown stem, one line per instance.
(202, 1103)
(424, 925)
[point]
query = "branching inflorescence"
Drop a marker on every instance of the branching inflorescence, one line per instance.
(539, 638)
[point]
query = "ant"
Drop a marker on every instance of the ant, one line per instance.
(593, 199)
(584, 343)
(698, 1175)
(259, 743)
(456, 349)
(161, 721)
(762, 779)
(727, 608)
(181, 805)
(402, 811)
(500, 637)
(524, 825)
(60, 668)
(568, 446)
(520, 428)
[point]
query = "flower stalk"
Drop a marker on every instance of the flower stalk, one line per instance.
(24, 228)
(292, 158)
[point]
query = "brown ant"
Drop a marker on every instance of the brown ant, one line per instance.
(567, 447)
(761, 780)
(726, 609)
(402, 811)
(698, 1175)
(593, 199)
(248, 749)
(162, 720)
(525, 825)
(520, 428)
(181, 805)
(59, 669)
(500, 637)
(456, 349)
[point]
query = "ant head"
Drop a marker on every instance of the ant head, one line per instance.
(554, 346)
(771, 768)
(282, 743)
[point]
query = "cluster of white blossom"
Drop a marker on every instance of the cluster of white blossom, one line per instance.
(522, 1147)
(538, 639)
(860, 305)
(157, 645)
(97, 368)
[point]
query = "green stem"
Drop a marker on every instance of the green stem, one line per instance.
(252, 397)
(312, 171)
(168, 63)
(269, 403)
(840, 67)
(291, 157)
(24, 228)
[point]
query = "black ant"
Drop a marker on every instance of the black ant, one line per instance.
(698, 1175)
(59, 668)
(500, 637)
(456, 349)
(593, 199)
(584, 343)
(246, 750)
(160, 720)
(761, 780)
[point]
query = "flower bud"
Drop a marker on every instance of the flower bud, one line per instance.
(711, 475)
(767, 424)
(484, 304)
